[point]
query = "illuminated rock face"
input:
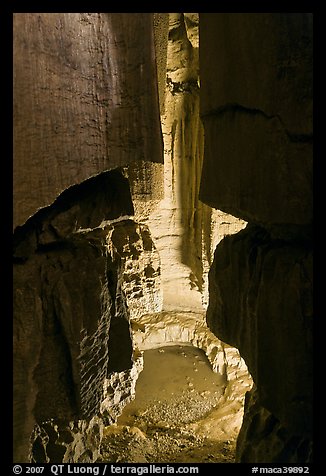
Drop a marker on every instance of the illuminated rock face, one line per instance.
(68, 304)
(138, 233)
(112, 247)
(184, 229)
(256, 108)
(86, 116)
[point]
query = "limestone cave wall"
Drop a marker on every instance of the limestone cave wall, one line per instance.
(142, 143)
(85, 101)
(185, 230)
(256, 107)
(94, 202)
(86, 107)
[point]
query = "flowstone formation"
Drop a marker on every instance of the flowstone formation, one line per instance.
(185, 230)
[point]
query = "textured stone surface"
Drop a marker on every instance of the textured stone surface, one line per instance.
(216, 226)
(170, 328)
(141, 279)
(66, 358)
(58, 442)
(161, 32)
(263, 438)
(146, 181)
(185, 231)
(79, 441)
(261, 302)
(174, 224)
(120, 389)
(265, 66)
(71, 321)
(85, 100)
(278, 189)
(256, 107)
(163, 329)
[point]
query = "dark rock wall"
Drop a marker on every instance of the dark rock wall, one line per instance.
(256, 107)
(87, 103)
(71, 322)
(85, 100)
(74, 284)
(86, 107)
(256, 87)
(161, 32)
(264, 438)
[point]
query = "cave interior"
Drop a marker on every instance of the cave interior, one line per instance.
(162, 206)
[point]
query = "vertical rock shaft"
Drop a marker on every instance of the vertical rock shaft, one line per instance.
(185, 230)
(256, 108)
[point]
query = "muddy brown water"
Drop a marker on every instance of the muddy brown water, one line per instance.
(176, 390)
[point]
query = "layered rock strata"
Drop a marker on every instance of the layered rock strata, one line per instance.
(72, 333)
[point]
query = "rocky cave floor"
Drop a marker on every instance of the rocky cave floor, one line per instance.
(177, 415)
